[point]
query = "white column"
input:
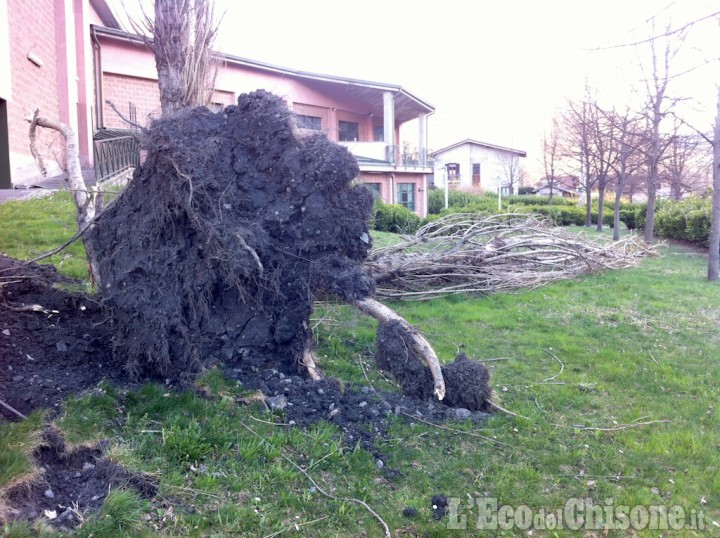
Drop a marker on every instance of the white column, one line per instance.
(422, 138)
(389, 123)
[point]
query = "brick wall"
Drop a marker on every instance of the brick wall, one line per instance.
(32, 28)
(122, 90)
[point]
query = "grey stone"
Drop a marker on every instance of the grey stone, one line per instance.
(277, 403)
(379, 464)
(462, 413)
(49, 493)
(87, 466)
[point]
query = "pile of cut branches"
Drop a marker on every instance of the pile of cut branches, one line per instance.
(470, 253)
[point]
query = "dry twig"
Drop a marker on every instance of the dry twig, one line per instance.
(380, 520)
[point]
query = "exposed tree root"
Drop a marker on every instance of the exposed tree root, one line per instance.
(420, 346)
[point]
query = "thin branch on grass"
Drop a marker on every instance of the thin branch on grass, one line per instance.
(380, 520)
(562, 366)
(295, 526)
(12, 409)
(621, 427)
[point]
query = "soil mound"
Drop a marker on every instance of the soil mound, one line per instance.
(466, 380)
(225, 235)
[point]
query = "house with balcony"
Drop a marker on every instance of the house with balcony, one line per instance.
(363, 116)
(78, 60)
(473, 166)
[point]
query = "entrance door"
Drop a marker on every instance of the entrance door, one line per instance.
(5, 180)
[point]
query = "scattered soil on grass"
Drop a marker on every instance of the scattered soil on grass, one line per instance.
(48, 355)
(362, 413)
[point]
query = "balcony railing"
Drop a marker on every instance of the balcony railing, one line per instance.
(405, 156)
(115, 155)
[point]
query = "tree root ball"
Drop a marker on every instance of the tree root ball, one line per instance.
(225, 235)
(466, 381)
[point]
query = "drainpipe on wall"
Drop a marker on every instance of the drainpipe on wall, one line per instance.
(392, 188)
(97, 69)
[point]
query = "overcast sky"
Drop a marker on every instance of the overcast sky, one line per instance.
(494, 71)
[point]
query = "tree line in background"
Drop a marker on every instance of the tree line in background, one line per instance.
(649, 149)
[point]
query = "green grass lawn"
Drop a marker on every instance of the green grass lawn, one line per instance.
(614, 378)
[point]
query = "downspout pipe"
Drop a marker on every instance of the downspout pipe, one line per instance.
(97, 72)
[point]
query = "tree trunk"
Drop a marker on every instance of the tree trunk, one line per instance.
(85, 201)
(588, 208)
(650, 213)
(601, 208)
(714, 246)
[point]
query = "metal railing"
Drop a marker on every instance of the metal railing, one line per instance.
(115, 155)
(408, 157)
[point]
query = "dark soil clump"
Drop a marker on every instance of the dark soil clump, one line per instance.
(224, 237)
(466, 381)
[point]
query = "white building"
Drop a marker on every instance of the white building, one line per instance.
(475, 166)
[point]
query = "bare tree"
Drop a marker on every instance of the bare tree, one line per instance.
(684, 167)
(577, 142)
(714, 240)
(627, 139)
(181, 36)
(551, 156)
(512, 170)
(657, 108)
(603, 151)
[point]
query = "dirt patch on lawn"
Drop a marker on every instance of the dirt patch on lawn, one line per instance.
(46, 355)
(70, 484)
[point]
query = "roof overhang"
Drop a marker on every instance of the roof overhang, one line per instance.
(105, 13)
(407, 105)
(518, 152)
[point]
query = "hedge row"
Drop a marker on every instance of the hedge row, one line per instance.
(486, 202)
(687, 220)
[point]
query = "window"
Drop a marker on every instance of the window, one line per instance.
(216, 107)
(453, 172)
(309, 122)
(406, 195)
(378, 133)
(376, 189)
(476, 174)
(349, 131)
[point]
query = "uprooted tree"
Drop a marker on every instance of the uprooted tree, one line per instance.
(226, 235)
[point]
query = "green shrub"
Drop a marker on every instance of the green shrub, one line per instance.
(687, 220)
(536, 200)
(697, 227)
(627, 217)
(394, 218)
